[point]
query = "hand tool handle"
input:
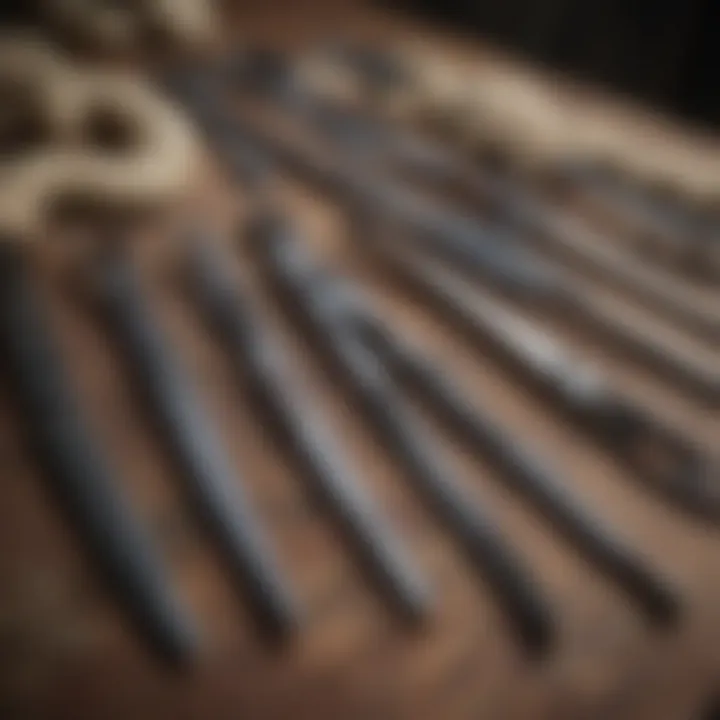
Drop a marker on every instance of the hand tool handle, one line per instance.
(208, 472)
(79, 470)
(305, 431)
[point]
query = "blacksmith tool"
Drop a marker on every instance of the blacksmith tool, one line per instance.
(662, 229)
(664, 457)
(210, 476)
(304, 430)
(600, 256)
(78, 468)
(519, 209)
(527, 473)
(108, 142)
(301, 283)
(493, 253)
(371, 138)
(484, 435)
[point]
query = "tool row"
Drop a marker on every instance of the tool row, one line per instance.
(373, 363)
(528, 120)
(438, 252)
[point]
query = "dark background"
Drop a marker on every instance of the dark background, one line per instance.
(663, 51)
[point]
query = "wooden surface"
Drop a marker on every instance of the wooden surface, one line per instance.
(66, 650)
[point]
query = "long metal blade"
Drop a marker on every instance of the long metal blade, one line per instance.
(669, 461)
(79, 471)
(301, 281)
(527, 472)
(305, 431)
(209, 474)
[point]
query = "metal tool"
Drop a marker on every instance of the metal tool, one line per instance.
(661, 229)
(527, 279)
(669, 461)
(304, 430)
(208, 471)
(78, 468)
(525, 470)
(369, 137)
(510, 269)
(598, 255)
(302, 284)
(493, 253)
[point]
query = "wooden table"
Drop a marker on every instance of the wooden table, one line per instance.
(66, 650)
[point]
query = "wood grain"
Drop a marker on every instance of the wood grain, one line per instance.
(67, 652)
